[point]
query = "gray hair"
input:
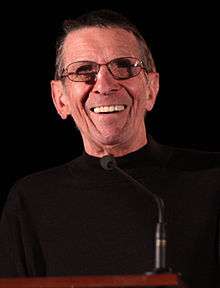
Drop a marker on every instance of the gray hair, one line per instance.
(101, 19)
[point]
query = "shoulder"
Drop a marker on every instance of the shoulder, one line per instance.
(44, 176)
(43, 183)
(191, 159)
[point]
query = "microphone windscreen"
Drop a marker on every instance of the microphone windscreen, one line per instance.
(108, 162)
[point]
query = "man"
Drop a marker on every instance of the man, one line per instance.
(78, 219)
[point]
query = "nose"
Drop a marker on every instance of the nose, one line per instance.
(105, 83)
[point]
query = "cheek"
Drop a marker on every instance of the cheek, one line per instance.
(138, 92)
(77, 94)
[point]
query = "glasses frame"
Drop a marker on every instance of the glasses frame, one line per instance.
(67, 74)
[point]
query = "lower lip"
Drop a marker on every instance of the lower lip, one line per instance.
(110, 113)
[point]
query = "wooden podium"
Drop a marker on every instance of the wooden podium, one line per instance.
(117, 281)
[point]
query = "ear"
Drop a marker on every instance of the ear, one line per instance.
(152, 91)
(60, 98)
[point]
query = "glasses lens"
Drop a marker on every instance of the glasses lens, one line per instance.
(124, 68)
(82, 71)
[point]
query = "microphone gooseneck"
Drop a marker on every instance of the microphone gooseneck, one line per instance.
(109, 163)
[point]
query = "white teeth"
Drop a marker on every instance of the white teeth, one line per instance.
(106, 109)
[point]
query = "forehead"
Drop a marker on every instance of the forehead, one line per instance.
(99, 44)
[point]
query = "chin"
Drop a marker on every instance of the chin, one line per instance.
(112, 140)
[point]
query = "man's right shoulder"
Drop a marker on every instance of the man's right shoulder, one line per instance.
(44, 181)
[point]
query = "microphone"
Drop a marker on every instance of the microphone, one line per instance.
(109, 163)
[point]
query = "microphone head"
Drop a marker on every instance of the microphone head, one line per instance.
(108, 162)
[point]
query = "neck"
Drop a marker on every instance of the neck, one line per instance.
(117, 150)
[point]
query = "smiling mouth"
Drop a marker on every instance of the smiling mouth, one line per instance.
(108, 109)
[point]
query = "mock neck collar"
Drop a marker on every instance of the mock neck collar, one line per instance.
(150, 154)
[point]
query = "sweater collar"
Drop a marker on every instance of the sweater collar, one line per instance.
(150, 154)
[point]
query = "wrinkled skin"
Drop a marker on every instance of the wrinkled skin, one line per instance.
(117, 133)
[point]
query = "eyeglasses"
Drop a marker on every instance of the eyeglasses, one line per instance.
(120, 68)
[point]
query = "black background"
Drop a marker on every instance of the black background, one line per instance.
(184, 42)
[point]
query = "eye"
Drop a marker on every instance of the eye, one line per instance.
(84, 69)
(123, 63)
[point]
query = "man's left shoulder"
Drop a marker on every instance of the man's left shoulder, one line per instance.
(192, 159)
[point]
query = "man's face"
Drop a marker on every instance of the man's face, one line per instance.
(133, 96)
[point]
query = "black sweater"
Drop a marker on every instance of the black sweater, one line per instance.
(78, 219)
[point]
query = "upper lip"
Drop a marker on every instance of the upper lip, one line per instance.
(104, 105)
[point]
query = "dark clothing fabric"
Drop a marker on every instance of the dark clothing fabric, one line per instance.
(78, 219)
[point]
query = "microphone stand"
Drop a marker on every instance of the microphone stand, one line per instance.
(109, 163)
